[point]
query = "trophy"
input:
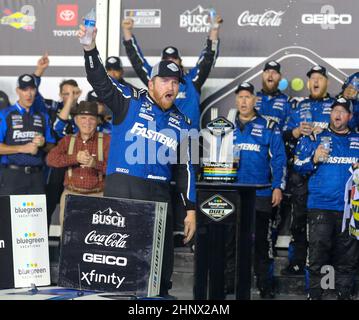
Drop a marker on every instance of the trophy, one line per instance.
(220, 162)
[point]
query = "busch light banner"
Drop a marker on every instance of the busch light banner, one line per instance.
(298, 34)
(24, 251)
(112, 245)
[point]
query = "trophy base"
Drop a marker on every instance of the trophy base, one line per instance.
(219, 172)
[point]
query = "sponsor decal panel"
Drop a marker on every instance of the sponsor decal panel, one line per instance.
(30, 240)
(112, 253)
(327, 18)
(196, 20)
(217, 208)
(67, 18)
(21, 20)
(270, 18)
(144, 18)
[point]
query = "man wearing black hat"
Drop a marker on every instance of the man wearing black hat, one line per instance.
(312, 115)
(147, 136)
(262, 161)
(114, 69)
(188, 99)
(84, 155)
(271, 102)
(25, 138)
(327, 158)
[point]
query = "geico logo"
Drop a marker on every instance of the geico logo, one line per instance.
(101, 259)
(108, 220)
(326, 18)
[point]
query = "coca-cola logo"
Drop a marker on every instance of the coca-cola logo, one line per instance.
(67, 15)
(270, 18)
(114, 240)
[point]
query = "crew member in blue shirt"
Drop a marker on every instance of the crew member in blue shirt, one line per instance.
(328, 171)
(262, 160)
(25, 138)
(147, 135)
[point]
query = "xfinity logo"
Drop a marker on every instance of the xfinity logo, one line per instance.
(90, 277)
(108, 217)
(327, 18)
(102, 259)
(270, 18)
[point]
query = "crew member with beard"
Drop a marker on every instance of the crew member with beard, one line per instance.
(328, 170)
(272, 104)
(312, 115)
(146, 144)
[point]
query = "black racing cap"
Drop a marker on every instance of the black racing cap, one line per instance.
(25, 81)
(272, 65)
(317, 69)
(346, 104)
(167, 69)
(113, 63)
(86, 108)
(245, 86)
(170, 52)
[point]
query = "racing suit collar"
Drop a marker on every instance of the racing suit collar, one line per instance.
(326, 97)
(273, 94)
(22, 110)
(238, 120)
(338, 133)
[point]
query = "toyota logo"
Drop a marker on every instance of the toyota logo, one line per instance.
(67, 15)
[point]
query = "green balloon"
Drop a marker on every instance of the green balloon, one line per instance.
(297, 84)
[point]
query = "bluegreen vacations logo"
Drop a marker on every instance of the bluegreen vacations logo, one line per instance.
(32, 269)
(28, 210)
(30, 240)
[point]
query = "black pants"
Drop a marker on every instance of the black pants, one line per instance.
(298, 228)
(17, 182)
(54, 188)
(329, 246)
(263, 250)
(263, 247)
(128, 187)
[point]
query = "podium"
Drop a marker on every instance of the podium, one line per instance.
(220, 205)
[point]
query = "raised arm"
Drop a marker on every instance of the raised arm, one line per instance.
(138, 61)
(117, 98)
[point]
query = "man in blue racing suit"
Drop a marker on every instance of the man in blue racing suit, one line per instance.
(147, 137)
(326, 157)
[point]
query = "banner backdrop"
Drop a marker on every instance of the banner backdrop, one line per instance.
(299, 34)
(24, 249)
(112, 245)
